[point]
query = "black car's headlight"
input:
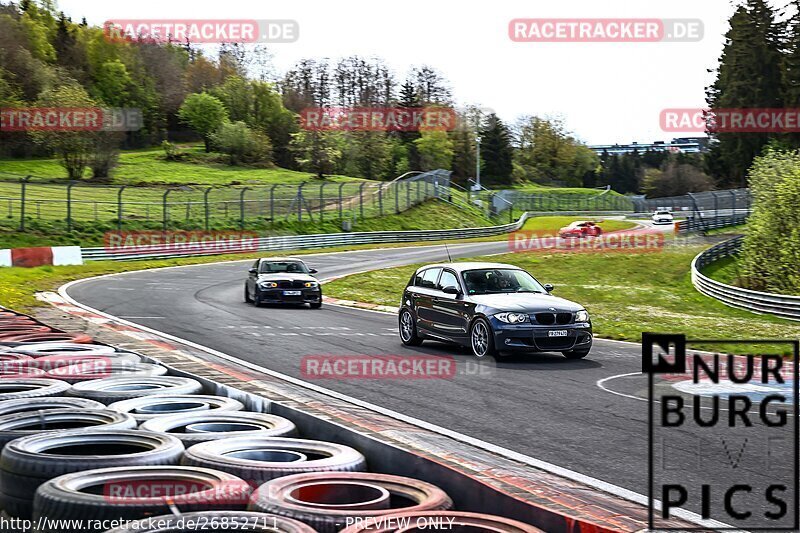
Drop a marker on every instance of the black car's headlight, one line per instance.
(310, 284)
(582, 316)
(268, 284)
(512, 318)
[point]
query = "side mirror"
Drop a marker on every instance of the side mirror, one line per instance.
(253, 271)
(450, 289)
(549, 287)
(312, 271)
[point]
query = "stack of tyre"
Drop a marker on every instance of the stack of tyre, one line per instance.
(98, 435)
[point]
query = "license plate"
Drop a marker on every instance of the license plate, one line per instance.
(292, 293)
(557, 333)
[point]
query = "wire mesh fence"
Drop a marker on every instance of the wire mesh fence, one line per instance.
(193, 207)
(710, 201)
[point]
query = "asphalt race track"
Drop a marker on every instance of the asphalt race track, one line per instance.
(543, 406)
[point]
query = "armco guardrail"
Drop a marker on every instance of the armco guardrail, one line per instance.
(704, 223)
(298, 242)
(759, 302)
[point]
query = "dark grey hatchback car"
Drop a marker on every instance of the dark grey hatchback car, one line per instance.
(491, 308)
(282, 280)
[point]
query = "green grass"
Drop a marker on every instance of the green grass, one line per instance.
(551, 224)
(726, 270)
(625, 294)
(739, 229)
(149, 167)
(432, 214)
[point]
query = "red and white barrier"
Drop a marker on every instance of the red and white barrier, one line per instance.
(46, 255)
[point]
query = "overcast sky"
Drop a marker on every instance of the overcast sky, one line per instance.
(605, 92)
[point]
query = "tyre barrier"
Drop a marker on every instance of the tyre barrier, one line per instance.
(28, 462)
(73, 452)
(57, 348)
(441, 520)
(101, 369)
(325, 500)
(16, 425)
(129, 493)
(114, 389)
(23, 405)
(194, 428)
(261, 459)
(160, 405)
(49, 362)
(14, 388)
(220, 521)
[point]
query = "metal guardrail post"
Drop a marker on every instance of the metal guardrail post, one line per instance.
(206, 213)
(70, 185)
(23, 182)
(272, 205)
(241, 206)
(300, 202)
(164, 209)
(119, 207)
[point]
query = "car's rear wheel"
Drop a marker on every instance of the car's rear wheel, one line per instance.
(408, 329)
(576, 354)
(247, 298)
(482, 339)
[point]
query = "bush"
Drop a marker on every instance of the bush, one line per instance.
(771, 252)
(172, 152)
(242, 144)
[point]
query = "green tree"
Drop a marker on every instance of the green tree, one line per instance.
(113, 84)
(771, 252)
(316, 151)
(435, 150)
(496, 151)
(242, 144)
(204, 114)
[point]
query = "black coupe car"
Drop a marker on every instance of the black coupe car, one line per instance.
(282, 280)
(491, 308)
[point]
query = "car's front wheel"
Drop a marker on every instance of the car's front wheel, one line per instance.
(257, 297)
(247, 298)
(482, 339)
(315, 305)
(576, 354)
(408, 329)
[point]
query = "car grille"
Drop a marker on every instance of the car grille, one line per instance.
(548, 319)
(555, 343)
(291, 284)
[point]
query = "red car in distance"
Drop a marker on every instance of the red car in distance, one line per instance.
(579, 229)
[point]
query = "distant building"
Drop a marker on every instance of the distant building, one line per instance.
(685, 145)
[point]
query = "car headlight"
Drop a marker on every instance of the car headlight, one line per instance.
(582, 316)
(310, 284)
(268, 284)
(512, 318)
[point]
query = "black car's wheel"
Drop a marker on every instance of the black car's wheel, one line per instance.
(576, 354)
(257, 297)
(247, 298)
(315, 305)
(482, 339)
(408, 329)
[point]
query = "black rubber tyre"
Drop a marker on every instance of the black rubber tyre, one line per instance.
(110, 390)
(247, 298)
(160, 405)
(29, 461)
(13, 388)
(220, 426)
(408, 329)
(261, 459)
(101, 369)
(576, 354)
(298, 496)
(315, 305)
(18, 425)
(24, 405)
(16, 507)
(219, 521)
(104, 493)
(257, 297)
(481, 339)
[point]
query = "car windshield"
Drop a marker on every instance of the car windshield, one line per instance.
(662, 212)
(500, 280)
(292, 267)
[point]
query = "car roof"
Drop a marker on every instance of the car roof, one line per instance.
(278, 259)
(468, 265)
